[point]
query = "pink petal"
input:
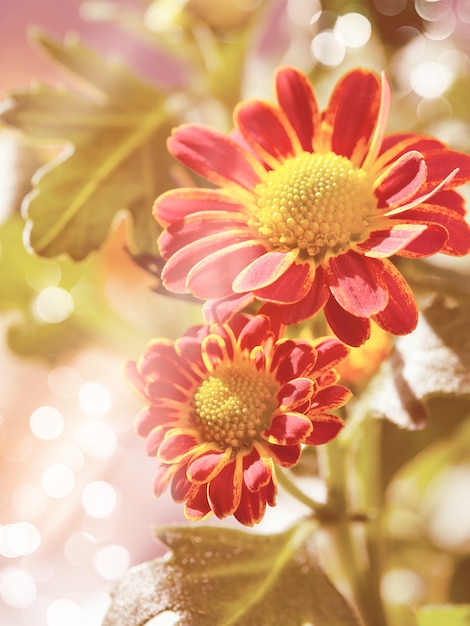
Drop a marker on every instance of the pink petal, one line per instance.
(356, 284)
(288, 429)
(385, 243)
(204, 467)
(351, 329)
(329, 399)
(263, 271)
(199, 226)
(224, 491)
(297, 100)
(212, 277)
(162, 477)
(257, 470)
(175, 273)
(215, 156)
(223, 309)
(325, 428)
(154, 440)
(352, 114)
(377, 137)
(402, 180)
(177, 204)
(264, 129)
(295, 393)
(291, 287)
(401, 314)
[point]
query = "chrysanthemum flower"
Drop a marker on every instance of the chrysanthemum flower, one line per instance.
(310, 207)
(226, 403)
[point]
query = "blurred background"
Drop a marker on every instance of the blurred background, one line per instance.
(76, 505)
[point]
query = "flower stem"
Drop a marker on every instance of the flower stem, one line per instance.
(320, 510)
(362, 572)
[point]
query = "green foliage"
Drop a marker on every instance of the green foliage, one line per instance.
(25, 276)
(223, 577)
(448, 615)
(115, 129)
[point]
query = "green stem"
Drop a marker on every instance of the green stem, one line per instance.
(321, 511)
(363, 574)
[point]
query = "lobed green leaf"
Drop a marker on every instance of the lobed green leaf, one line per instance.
(223, 577)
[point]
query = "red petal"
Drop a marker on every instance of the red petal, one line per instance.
(378, 135)
(215, 156)
(292, 359)
(457, 229)
(257, 470)
(402, 180)
(197, 505)
(212, 277)
(325, 428)
(295, 393)
(288, 429)
(255, 333)
(177, 204)
(214, 351)
(352, 114)
(224, 491)
(291, 287)
(264, 130)
(356, 284)
(221, 310)
(305, 308)
(263, 271)
(431, 241)
(385, 243)
(330, 352)
(349, 328)
(329, 399)
(285, 456)
(401, 315)
(252, 507)
(297, 99)
(204, 467)
(176, 446)
(180, 485)
(175, 273)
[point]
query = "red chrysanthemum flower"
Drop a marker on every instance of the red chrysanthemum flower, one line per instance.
(228, 402)
(311, 205)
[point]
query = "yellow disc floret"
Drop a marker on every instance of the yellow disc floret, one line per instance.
(316, 202)
(234, 404)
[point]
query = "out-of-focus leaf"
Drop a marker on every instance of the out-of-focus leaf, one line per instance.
(432, 361)
(447, 615)
(224, 577)
(54, 304)
(115, 157)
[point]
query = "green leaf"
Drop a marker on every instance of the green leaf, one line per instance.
(115, 129)
(447, 615)
(35, 326)
(224, 577)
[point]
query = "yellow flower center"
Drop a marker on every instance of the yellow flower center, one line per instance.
(316, 202)
(234, 404)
